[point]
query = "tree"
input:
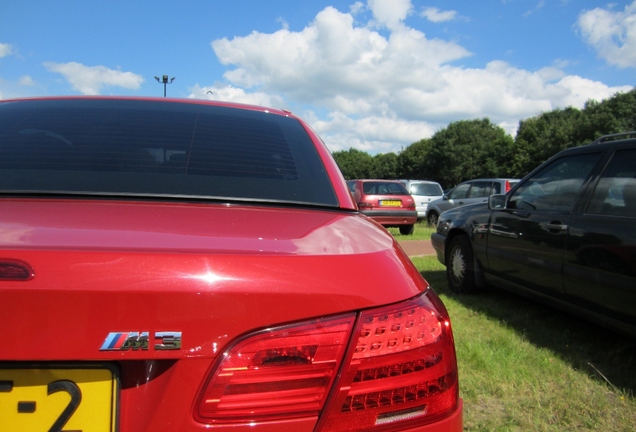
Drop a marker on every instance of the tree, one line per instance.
(540, 137)
(614, 115)
(468, 149)
(411, 160)
(354, 164)
(385, 166)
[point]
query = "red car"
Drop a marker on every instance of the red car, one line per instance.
(385, 201)
(181, 265)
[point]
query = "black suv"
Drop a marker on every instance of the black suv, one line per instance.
(566, 235)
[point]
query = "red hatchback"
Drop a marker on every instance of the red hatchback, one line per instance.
(180, 265)
(385, 201)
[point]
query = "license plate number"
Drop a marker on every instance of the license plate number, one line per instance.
(58, 399)
(391, 203)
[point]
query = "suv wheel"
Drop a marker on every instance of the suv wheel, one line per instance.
(432, 219)
(406, 229)
(459, 266)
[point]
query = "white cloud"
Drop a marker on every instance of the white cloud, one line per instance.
(228, 93)
(316, 63)
(435, 15)
(6, 50)
(357, 7)
(26, 81)
(390, 13)
(375, 134)
(612, 34)
(380, 86)
(537, 8)
(89, 80)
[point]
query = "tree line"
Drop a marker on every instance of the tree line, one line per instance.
(469, 149)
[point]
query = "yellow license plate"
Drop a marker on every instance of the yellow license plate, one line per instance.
(58, 399)
(391, 203)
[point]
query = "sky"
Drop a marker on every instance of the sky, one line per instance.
(374, 75)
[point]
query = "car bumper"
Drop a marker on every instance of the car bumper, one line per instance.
(392, 217)
(439, 244)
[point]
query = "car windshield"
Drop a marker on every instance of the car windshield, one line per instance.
(158, 149)
(383, 188)
(426, 189)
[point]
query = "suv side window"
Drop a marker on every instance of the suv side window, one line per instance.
(555, 187)
(479, 189)
(460, 191)
(615, 193)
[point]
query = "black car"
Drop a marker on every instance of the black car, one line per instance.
(566, 235)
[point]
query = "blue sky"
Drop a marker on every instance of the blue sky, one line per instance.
(376, 75)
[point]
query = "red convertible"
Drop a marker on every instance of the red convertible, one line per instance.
(184, 265)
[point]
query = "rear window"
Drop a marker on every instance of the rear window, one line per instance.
(158, 149)
(383, 188)
(426, 189)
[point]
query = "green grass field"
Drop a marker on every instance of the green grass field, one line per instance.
(527, 367)
(421, 232)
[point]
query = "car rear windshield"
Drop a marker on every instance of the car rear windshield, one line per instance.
(383, 188)
(118, 147)
(426, 189)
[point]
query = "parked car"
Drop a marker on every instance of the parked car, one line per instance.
(566, 235)
(423, 192)
(185, 265)
(468, 192)
(385, 201)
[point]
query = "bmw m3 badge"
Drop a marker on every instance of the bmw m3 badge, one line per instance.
(124, 341)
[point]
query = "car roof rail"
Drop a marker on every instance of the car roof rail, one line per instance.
(612, 137)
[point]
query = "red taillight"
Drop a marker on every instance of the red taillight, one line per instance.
(279, 373)
(402, 369)
(399, 369)
(507, 186)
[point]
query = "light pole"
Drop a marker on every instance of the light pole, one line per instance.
(164, 80)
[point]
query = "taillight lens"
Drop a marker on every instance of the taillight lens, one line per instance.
(401, 370)
(507, 186)
(279, 373)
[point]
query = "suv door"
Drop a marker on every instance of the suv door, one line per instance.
(600, 257)
(526, 241)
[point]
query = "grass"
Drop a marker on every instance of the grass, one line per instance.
(421, 232)
(527, 367)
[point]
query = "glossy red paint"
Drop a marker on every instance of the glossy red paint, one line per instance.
(206, 270)
(207, 262)
(216, 272)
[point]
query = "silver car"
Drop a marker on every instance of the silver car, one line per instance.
(423, 192)
(468, 192)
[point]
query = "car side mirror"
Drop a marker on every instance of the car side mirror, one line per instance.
(445, 197)
(497, 202)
